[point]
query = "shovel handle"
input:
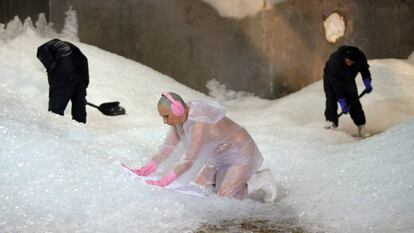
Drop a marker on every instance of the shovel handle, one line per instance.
(93, 105)
(350, 105)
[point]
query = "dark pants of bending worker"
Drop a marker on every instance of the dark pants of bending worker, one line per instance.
(75, 91)
(351, 97)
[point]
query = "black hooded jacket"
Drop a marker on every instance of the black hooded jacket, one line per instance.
(64, 62)
(340, 77)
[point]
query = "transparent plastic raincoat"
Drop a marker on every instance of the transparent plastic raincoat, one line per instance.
(218, 150)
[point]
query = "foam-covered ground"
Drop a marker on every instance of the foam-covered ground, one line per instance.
(60, 176)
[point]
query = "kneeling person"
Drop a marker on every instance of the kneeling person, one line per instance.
(228, 152)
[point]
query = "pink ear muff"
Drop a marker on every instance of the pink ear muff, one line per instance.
(176, 107)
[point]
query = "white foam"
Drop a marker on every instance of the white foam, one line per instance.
(60, 176)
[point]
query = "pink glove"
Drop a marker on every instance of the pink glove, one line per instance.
(166, 180)
(147, 169)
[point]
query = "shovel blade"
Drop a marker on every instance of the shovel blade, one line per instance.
(110, 108)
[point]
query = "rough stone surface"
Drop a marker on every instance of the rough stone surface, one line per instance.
(273, 53)
(23, 9)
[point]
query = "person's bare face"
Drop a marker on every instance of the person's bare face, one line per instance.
(349, 62)
(168, 117)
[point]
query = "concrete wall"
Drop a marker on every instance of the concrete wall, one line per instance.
(275, 52)
(23, 9)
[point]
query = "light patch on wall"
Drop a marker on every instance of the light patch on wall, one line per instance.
(334, 27)
(240, 9)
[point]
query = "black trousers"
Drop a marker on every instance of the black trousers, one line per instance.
(75, 91)
(351, 97)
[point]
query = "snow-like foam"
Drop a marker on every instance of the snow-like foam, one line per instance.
(60, 176)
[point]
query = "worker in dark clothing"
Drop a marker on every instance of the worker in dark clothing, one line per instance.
(68, 77)
(339, 85)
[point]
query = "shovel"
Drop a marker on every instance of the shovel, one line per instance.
(350, 105)
(109, 109)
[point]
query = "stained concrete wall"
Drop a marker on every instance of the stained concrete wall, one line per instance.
(271, 54)
(23, 9)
